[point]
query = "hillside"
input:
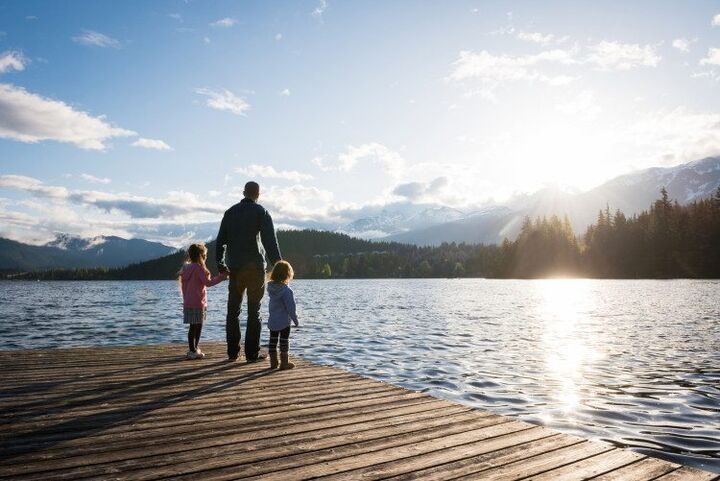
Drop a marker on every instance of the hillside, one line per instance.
(70, 252)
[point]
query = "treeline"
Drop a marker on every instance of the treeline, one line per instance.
(668, 240)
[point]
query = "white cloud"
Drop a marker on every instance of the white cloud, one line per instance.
(675, 136)
(32, 186)
(537, 37)
(320, 9)
(137, 207)
(30, 118)
(206, 39)
(154, 144)
(711, 74)
(226, 22)
(175, 16)
(285, 92)
(297, 203)
(224, 100)
(12, 60)
(490, 71)
(683, 44)
(97, 39)
(278, 36)
(95, 180)
(390, 161)
(622, 56)
(421, 191)
(712, 58)
(269, 172)
(716, 20)
(584, 104)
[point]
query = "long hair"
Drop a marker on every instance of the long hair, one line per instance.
(282, 272)
(196, 254)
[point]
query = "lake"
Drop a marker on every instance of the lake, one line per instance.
(635, 363)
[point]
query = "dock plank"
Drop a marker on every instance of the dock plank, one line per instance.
(145, 413)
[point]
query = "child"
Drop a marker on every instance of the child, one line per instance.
(282, 310)
(194, 278)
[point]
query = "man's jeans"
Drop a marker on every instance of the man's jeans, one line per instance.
(250, 278)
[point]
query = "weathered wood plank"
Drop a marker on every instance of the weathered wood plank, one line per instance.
(493, 454)
(589, 467)
(543, 462)
(686, 473)
(144, 413)
(247, 447)
(643, 470)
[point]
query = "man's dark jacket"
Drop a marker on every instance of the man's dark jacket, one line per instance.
(238, 239)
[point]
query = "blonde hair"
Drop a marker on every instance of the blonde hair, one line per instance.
(196, 254)
(282, 272)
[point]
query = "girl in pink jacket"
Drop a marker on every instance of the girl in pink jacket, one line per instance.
(194, 279)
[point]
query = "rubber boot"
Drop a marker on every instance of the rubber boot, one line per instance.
(273, 360)
(284, 363)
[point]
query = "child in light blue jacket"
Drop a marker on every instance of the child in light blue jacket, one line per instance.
(282, 311)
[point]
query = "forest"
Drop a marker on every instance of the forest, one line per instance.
(668, 240)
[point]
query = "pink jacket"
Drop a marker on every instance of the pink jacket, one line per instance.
(194, 281)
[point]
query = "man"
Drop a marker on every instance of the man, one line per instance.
(238, 251)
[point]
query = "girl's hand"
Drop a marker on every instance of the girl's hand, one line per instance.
(297, 324)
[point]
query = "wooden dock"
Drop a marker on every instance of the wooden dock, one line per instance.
(144, 413)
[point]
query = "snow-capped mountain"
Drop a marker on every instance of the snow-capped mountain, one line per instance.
(398, 218)
(631, 193)
(67, 251)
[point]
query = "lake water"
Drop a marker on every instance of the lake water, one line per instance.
(636, 363)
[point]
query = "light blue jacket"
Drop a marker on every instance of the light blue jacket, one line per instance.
(282, 306)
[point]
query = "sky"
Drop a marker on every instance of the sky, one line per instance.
(145, 119)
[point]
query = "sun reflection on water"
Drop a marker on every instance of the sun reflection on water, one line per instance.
(563, 309)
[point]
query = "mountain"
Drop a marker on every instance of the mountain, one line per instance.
(488, 226)
(630, 193)
(67, 251)
(398, 218)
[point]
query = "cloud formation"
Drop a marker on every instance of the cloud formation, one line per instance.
(421, 191)
(712, 57)
(390, 161)
(95, 180)
(137, 207)
(716, 20)
(672, 137)
(489, 71)
(32, 186)
(154, 144)
(96, 39)
(224, 100)
(226, 22)
(12, 60)
(683, 44)
(269, 172)
(30, 118)
(622, 56)
(320, 9)
(539, 38)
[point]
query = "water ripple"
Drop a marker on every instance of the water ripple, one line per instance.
(634, 363)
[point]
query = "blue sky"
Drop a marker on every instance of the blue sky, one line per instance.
(146, 118)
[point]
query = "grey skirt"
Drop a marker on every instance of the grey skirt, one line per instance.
(194, 316)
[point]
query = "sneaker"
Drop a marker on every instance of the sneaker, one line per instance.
(232, 359)
(199, 354)
(190, 355)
